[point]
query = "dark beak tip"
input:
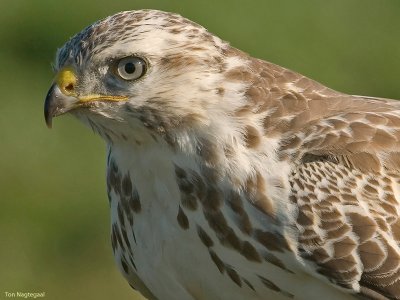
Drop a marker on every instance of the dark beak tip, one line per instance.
(49, 107)
(56, 104)
(49, 124)
(48, 117)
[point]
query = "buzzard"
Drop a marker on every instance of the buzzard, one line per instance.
(229, 177)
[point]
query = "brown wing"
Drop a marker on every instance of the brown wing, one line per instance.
(345, 177)
(346, 183)
(348, 224)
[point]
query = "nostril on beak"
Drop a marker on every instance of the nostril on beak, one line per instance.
(69, 88)
(66, 80)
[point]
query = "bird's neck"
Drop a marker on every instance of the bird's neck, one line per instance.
(225, 162)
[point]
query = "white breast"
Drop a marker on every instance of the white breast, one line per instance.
(169, 250)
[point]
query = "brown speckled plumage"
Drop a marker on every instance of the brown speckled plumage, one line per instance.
(233, 178)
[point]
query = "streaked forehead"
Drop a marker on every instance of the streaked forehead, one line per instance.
(122, 28)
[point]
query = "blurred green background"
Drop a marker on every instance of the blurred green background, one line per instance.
(54, 219)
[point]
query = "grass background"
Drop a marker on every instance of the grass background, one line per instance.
(54, 222)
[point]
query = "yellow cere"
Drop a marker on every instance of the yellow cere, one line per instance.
(66, 81)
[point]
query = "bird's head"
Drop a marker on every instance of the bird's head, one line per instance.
(145, 72)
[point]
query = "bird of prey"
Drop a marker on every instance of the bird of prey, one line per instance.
(230, 177)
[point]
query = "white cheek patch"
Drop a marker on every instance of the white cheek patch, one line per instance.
(103, 70)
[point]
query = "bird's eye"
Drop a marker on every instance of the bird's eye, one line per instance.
(131, 68)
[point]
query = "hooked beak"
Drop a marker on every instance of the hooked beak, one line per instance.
(57, 103)
(62, 96)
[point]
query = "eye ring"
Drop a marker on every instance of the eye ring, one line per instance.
(131, 68)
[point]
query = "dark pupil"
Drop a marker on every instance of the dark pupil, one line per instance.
(130, 68)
